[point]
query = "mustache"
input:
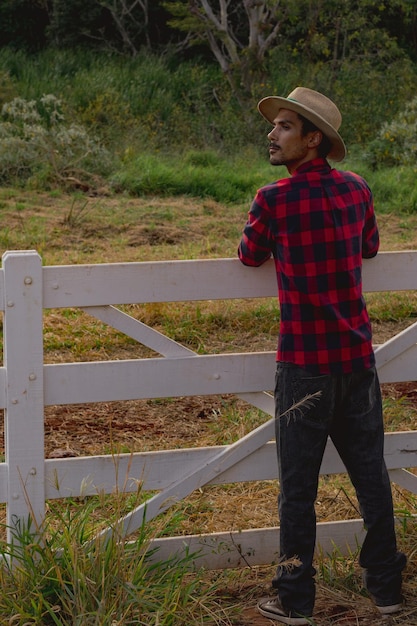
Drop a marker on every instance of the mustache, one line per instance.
(274, 145)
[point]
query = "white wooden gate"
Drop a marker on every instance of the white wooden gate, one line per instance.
(27, 385)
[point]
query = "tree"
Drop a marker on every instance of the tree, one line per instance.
(131, 18)
(239, 34)
(124, 26)
(75, 22)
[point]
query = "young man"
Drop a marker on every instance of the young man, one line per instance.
(318, 224)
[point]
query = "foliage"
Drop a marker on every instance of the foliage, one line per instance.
(205, 175)
(8, 89)
(359, 86)
(35, 140)
(61, 574)
(396, 142)
(130, 25)
(238, 34)
(78, 22)
(249, 39)
(131, 19)
(128, 120)
(336, 32)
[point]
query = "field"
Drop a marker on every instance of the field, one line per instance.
(74, 229)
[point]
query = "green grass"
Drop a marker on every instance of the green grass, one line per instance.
(204, 175)
(183, 165)
(60, 574)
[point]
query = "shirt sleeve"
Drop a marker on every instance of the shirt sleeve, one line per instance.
(370, 235)
(255, 245)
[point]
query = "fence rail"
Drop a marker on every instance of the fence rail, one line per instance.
(27, 385)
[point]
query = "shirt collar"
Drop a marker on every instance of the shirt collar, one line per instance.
(315, 165)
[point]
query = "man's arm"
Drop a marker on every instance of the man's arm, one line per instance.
(370, 235)
(255, 245)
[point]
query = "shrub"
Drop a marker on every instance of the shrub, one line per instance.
(396, 143)
(35, 140)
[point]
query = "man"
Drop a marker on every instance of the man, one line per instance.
(318, 224)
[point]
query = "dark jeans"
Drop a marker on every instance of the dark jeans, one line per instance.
(348, 408)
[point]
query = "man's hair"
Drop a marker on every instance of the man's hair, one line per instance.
(308, 127)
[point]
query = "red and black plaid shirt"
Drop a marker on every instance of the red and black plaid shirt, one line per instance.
(318, 224)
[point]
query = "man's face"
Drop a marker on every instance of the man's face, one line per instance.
(287, 144)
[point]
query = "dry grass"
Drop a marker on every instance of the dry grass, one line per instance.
(75, 229)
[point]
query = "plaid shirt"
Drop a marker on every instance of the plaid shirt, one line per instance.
(318, 224)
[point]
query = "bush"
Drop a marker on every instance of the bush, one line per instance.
(35, 140)
(396, 143)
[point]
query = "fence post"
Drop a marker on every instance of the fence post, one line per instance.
(24, 412)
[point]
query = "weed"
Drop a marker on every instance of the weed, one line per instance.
(76, 214)
(62, 574)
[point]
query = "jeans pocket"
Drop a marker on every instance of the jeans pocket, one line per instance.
(304, 396)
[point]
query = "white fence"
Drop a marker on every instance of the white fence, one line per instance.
(27, 385)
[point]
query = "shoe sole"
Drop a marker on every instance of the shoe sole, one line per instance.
(279, 617)
(388, 610)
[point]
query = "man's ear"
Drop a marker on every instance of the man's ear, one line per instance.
(315, 139)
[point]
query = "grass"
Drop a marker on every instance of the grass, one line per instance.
(75, 228)
(210, 175)
(157, 198)
(56, 575)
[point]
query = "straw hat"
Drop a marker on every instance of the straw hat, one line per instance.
(313, 106)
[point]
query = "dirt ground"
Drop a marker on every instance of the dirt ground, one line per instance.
(79, 430)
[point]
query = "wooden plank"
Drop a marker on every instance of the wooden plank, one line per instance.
(396, 346)
(159, 281)
(23, 360)
(2, 303)
(153, 471)
(139, 331)
(391, 271)
(4, 475)
(156, 470)
(73, 383)
(254, 547)
(400, 449)
(70, 383)
(405, 479)
(208, 279)
(402, 368)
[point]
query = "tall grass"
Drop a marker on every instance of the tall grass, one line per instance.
(149, 99)
(60, 574)
(199, 174)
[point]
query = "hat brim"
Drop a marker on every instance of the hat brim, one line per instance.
(268, 107)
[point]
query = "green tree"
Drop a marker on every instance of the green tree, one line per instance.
(249, 38)
(239, 34)
(76, 22)
(131, 21)
(346, 30)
